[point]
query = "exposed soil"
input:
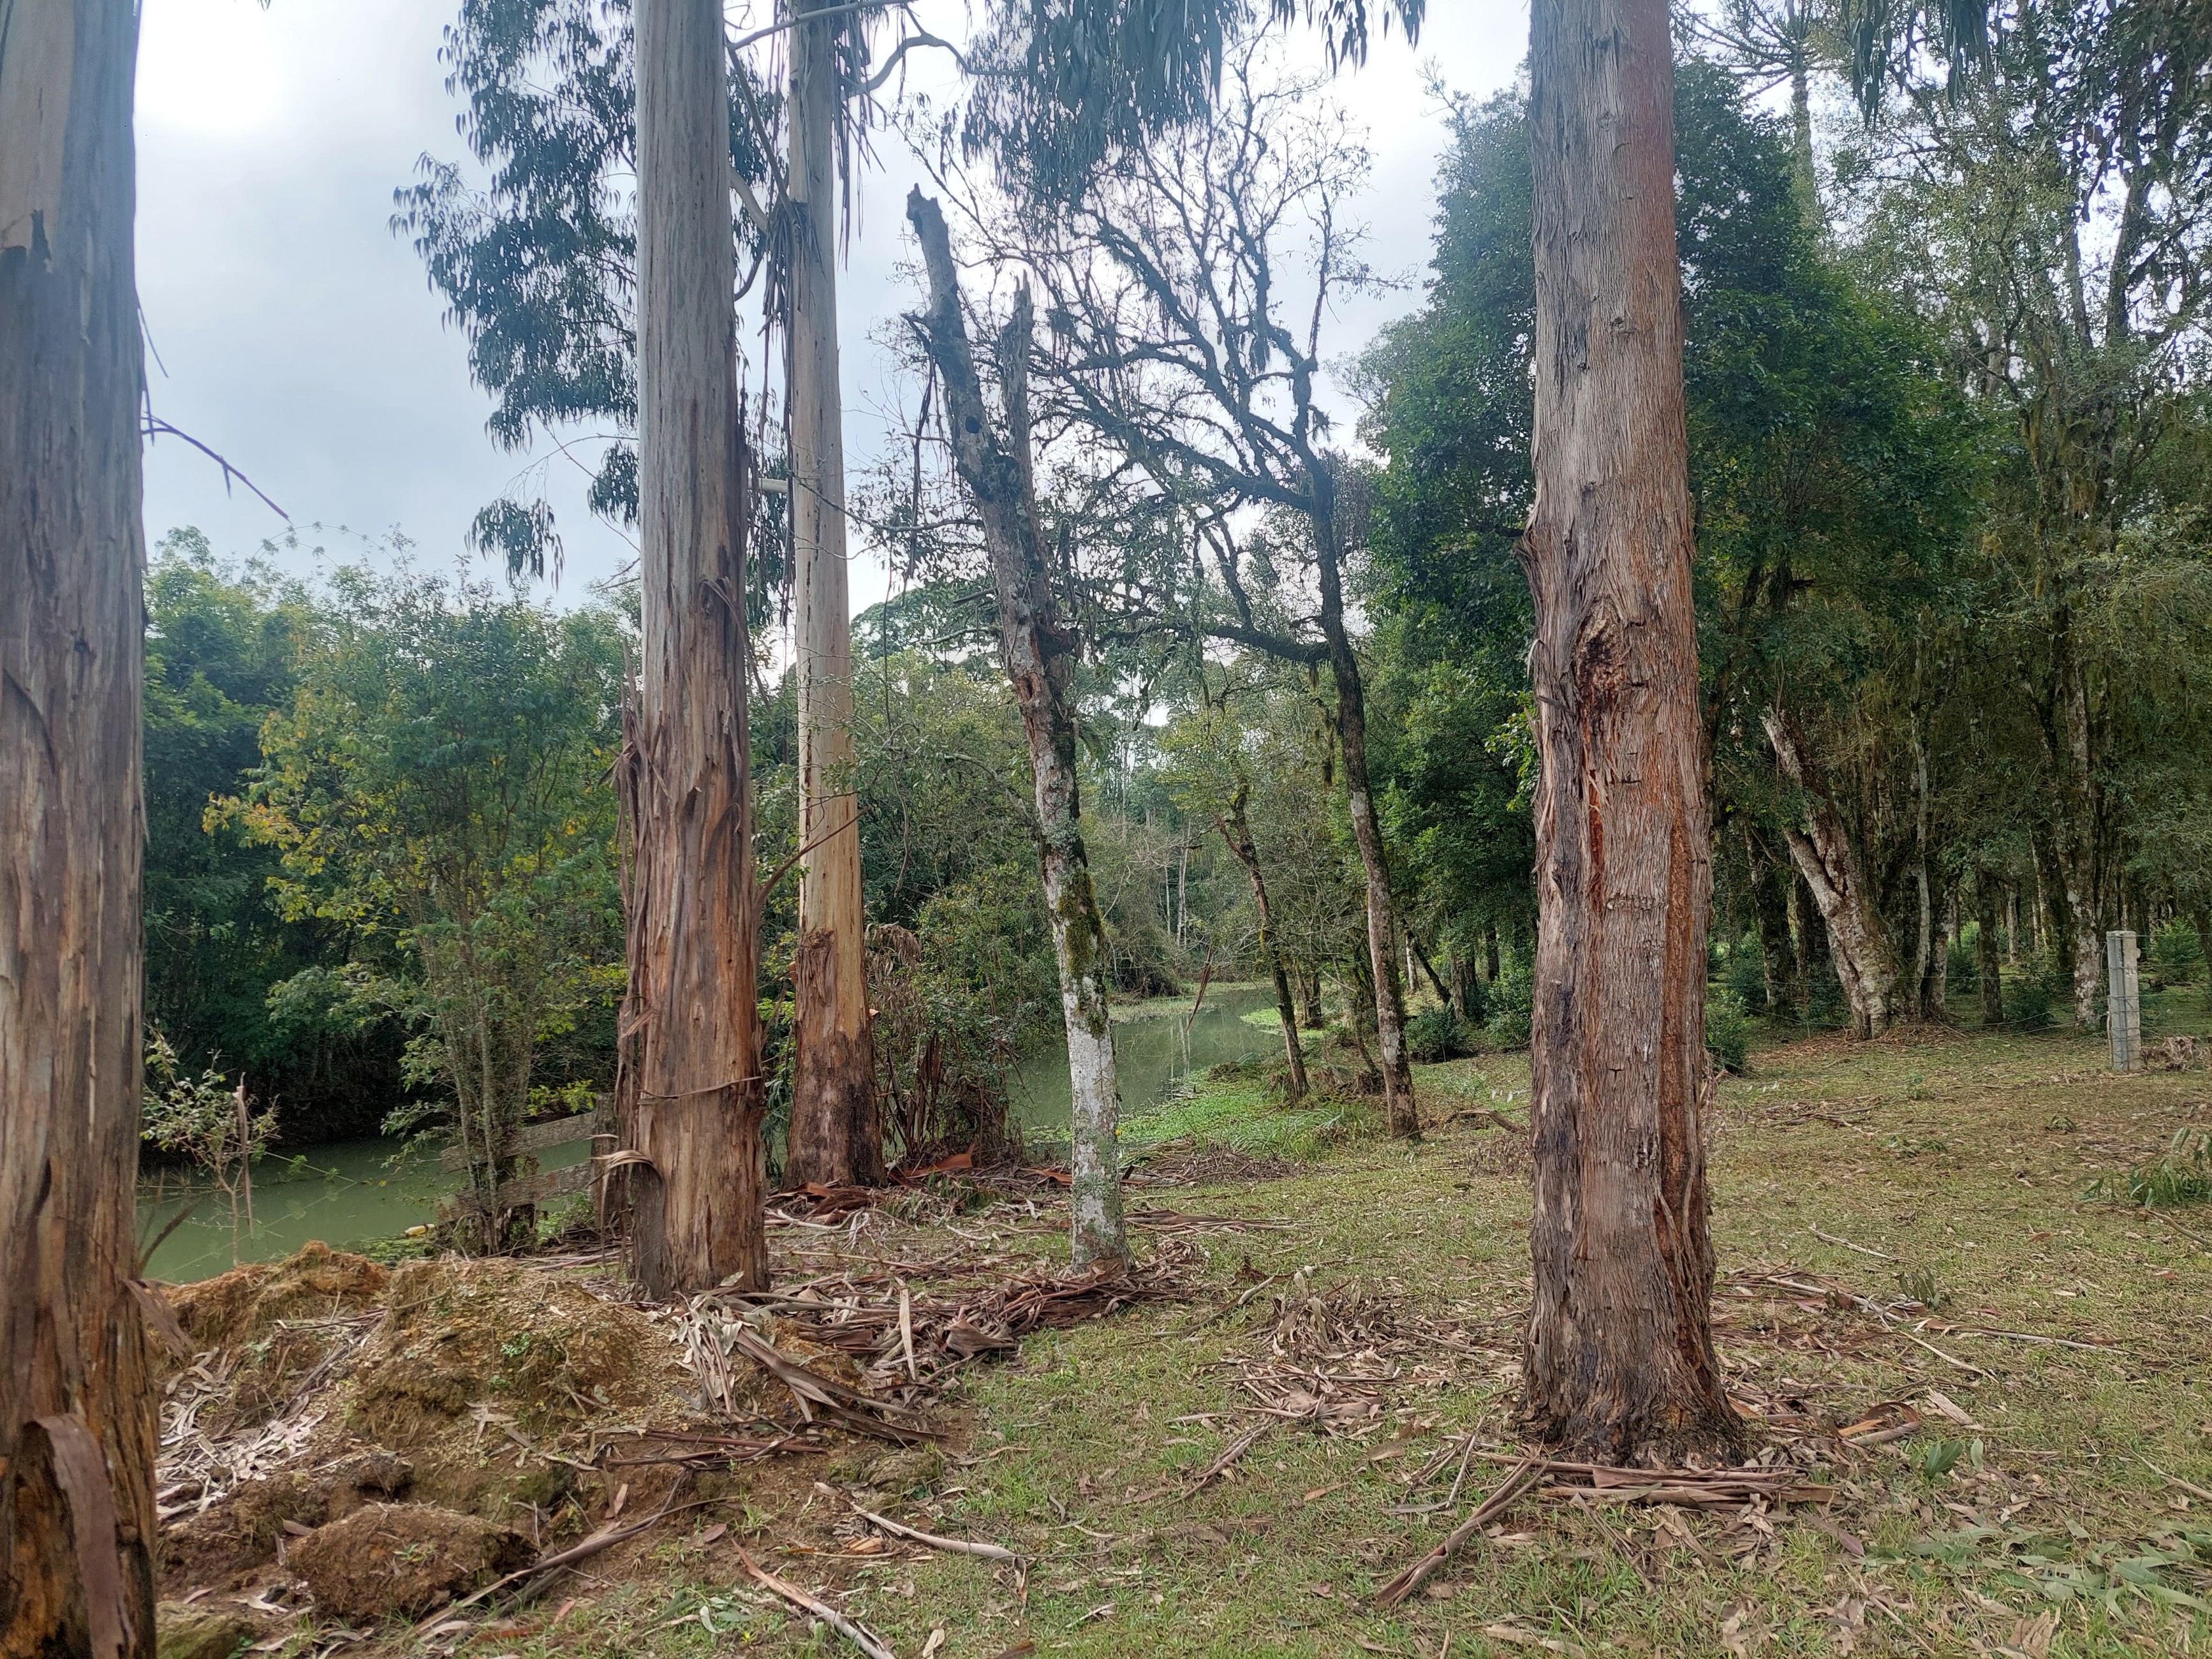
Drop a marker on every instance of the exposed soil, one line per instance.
(402, 1559)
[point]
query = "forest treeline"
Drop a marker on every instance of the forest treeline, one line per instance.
(1948, 446)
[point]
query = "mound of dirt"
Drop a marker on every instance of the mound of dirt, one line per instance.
(404, 1560)
(244, 1304)
(205, 1632)
(528, 1347)
(277, 1323)
(222, 1546)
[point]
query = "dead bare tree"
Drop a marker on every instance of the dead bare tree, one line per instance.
(1186, 337)
(76, 1409)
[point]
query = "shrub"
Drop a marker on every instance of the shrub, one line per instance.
(1511, 999)
(2027, 1004)
(2183, 1177)
(1728, 1033)
(1438, 1034)
(2177, 955)
(1743, 974)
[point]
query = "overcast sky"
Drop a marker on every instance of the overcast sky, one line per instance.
(296, 334)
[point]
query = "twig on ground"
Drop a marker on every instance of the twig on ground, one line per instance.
(2190, 1486)
(1498, 1502)
(1863, 1249)
(1235, 1449)
(1948, 1358)
(957, 1546)
(1459, 1479)
(2024, 1336)
(858, 1634)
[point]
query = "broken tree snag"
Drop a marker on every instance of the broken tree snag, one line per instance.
(1620, 1363)
(77, 1411)
(836, 1138)
(691, 1090)
(1039, 657)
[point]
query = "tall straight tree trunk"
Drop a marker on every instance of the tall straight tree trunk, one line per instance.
(1237, 831)
(1620, 1363)
(76, 1409)
(1986, 904)
(836, 1137)
(1040, 659)
(1400, 1109)
(690, 1090)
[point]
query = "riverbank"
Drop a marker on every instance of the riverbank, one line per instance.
(2032, 1366)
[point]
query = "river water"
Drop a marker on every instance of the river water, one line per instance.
(350, 1193)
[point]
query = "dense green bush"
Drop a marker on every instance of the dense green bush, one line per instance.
(1728, 1033)
(1512, 997)
(2028, 1004)
(2176, 954)
(1438, 1033)
(1743, 972)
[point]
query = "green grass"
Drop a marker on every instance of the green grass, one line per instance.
(1248, 1115)
(1964, 1160)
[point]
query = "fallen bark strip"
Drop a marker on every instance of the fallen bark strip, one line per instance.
(884, 1418)
(1613, 1483)
(1530, 1472)
(858, 1634)
(957, 1545)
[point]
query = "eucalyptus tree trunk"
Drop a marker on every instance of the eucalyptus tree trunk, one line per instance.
(1039, 657)
(836, 1136)
(1620, 1363)
(1237, 831)
(690, 1089)
(76, 1408)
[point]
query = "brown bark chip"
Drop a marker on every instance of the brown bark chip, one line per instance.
(403, 1560)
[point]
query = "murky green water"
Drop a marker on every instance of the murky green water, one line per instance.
(1153, 1058)
(350, 1193)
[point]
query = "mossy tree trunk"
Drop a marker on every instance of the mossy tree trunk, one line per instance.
(1039, 651)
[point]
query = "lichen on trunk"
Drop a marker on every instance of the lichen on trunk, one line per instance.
(1039, 653)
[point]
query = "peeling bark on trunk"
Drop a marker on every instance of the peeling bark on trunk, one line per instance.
(77, 1407)
(1620, 1363)
(836, 1135)
(690, 1089)
(1825, 859)
(1237, 831)
(1039, 657)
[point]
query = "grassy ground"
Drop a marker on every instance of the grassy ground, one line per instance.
(1957, 1163)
